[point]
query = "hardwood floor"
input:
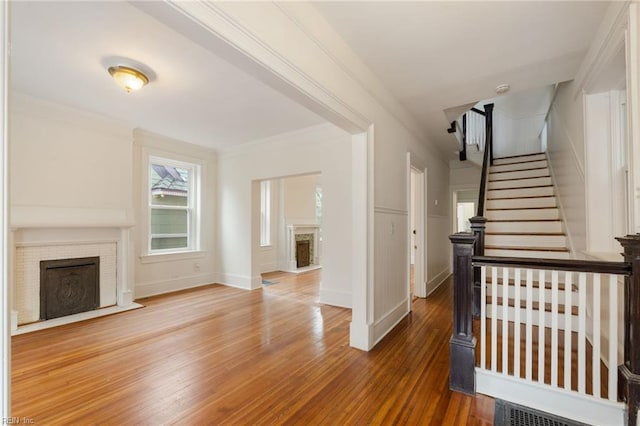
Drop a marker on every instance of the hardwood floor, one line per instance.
(219, 355)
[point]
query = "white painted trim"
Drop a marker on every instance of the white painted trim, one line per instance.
(6, 297)
(360, 330)
(243, 282)
(170, 257)
(219, 23)
(389, 210)
(83, 316)
(388, 321)
(607, 42)
(169, 286)
(568, 404)
(338, 298)
(438, 280)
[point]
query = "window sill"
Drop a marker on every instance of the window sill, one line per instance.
(267, 247)
(170, 257)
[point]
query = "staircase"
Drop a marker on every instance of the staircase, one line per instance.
(523, 219)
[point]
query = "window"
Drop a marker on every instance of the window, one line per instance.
(318, 204)
(173, 201)
(265, 213)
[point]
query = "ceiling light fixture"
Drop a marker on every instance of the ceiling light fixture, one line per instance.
(502, 88)
(128, 78)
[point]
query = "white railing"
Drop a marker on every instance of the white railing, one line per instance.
(548, 336)
(476, 134)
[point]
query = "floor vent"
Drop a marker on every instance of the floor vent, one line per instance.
(509, 414)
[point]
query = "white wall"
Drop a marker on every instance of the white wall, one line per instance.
(321, 149)
(300, 199)
(518, 120)
(565, 148)
(155, 274)
(67, 167)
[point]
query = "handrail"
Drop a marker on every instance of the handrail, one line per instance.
(595, 266)
(487, 159)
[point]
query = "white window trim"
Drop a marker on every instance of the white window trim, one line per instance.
(265, 213)
(193, 209)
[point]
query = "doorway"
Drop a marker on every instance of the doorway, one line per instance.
(464, 206)
(416, 195)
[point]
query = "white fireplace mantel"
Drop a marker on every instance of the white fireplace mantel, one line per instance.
(34, 243)
(298, 229)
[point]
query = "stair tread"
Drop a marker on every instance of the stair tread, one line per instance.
(535, 305)
(521, 178)
(527, 248)
(518, 156)
(522, 220)
(520, 187)
(519, 170)
(518, 198)
(525, 233)
(520, 208)
(523, 283)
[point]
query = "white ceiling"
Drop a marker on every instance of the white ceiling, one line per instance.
(60, 52)
(435, 56)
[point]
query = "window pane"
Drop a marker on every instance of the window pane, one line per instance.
(169, 243)
(169, 185)
(164, 221)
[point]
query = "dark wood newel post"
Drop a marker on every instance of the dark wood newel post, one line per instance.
(477, 227)
(629, 371)
(462, 344)
(488, 129)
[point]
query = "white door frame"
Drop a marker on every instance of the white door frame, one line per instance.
(5, 306)
(418, 215)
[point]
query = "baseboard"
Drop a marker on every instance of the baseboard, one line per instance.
(571, 405)
(360, 336)
(388, 321)
(435, 282)
(240, 281)
(175, 284)
(338, 298)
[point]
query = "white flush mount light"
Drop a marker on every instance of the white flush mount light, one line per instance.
(502, 88)
(128, 78)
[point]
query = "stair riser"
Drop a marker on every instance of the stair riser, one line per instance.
(526, 240)
(528, 254)
(534, 157)
(525, 174)
(522, 203)
(520, 183)
(521, 192)
(537, 214)
(518, 166)
(532, 227)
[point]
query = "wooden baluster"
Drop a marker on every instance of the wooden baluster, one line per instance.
(478, 224)
(462, 343)
(629, 371)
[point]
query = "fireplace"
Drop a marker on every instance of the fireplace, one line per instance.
(69, 286)
(303, 248)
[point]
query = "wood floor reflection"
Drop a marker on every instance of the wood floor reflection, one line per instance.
(219, 355)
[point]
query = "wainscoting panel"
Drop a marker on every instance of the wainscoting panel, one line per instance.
(390, 260)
